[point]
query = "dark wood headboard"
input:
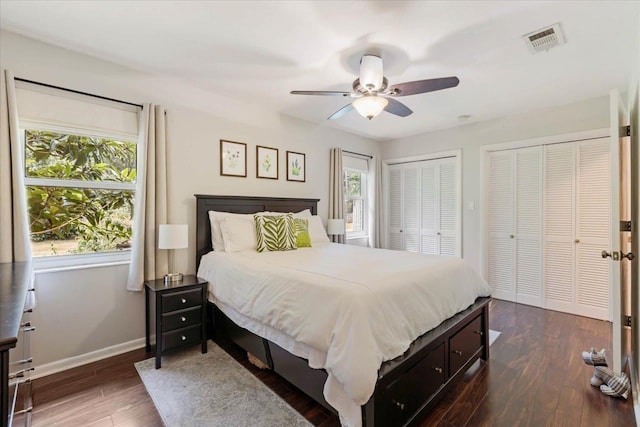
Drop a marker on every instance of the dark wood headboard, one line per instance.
(240, 204)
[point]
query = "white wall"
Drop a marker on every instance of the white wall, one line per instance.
(88, 310)
(586, 115)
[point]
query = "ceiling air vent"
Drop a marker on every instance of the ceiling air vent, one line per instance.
(544, 39)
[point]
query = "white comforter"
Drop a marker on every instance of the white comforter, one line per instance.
(356, 306)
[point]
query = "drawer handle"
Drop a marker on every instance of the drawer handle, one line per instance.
(184, 319)
(24, 411)
(437, 369)
(24, 361)
(29, 328)
(183, 338)
(399, 405)
(458, 352)
(22, 325)
(20, 373)
(28, 310)
(478, 333)
(184, 300)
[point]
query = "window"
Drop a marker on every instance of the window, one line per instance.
(80, 192)
(355, 202)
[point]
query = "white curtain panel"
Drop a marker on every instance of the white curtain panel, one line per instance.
(336, 190)
(15, 243)
(147, 262)
(376, 211)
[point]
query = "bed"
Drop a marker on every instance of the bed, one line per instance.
(403, 390)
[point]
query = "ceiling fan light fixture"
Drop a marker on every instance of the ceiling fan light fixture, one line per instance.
(370, 106)
(371, 72)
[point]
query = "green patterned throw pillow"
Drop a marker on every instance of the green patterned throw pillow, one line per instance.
(275, 233)
(303, 238)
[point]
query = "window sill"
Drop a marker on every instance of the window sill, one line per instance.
(357, 236)
(80, 262)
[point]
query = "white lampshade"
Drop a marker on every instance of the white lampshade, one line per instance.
(173, 236)
(335, 226)
(370, 106)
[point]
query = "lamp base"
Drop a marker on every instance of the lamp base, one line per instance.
(173, 277)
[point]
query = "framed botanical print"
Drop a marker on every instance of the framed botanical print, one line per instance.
(233, 158)
(296, 166)
(266, 162)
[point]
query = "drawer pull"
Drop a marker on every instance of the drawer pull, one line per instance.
(184, 319)
(23, 411)
(478, 333)
(437, 369)
(183, 338)
(399, 405)
(20, 373)
(458, 352)
(24, 361)
(183, 300)
(29, 328)
(22, 325)
(28, 310)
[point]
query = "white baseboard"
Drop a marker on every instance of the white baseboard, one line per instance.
(83, 359)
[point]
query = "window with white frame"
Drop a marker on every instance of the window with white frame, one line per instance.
(80, 192)
(355, 202)
(80, 166)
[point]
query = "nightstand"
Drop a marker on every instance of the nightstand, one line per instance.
(177, 317)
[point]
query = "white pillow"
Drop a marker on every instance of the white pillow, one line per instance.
(302, 214)
(238, 233)
(317, 232)
(216, 233)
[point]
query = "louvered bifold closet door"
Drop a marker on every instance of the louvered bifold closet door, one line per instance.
(528, 225)
(559, 228)
(592, 228)
(395, 208)
(410, 195)
(429, 207)
(448, 212)
(501, 228)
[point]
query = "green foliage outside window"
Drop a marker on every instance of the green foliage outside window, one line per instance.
(93, 219)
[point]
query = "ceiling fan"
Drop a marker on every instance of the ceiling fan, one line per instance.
(374, 95)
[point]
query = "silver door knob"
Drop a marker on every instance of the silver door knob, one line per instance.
(606, 254)
(439, 233)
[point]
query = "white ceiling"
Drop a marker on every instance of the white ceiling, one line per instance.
(256, 52)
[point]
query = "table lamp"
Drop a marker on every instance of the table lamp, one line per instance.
(173, 236)
(335, 226)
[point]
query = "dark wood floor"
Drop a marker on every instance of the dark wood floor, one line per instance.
(535, 377)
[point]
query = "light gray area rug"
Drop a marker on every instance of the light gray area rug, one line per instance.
(212, 389)
(493, 335)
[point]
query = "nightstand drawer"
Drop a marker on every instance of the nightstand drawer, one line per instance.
(181, 319)
(180, 300)
(181, 337)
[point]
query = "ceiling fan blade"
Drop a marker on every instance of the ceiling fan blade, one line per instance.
(422, 86)
(320, 92)
(397, 108)
(341, 112)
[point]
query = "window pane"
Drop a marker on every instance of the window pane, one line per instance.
(65, 156)
(74, 221)
(352, 183)
(354, 215)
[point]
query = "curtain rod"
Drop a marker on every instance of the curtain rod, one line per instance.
(78, 92)
(358, 154)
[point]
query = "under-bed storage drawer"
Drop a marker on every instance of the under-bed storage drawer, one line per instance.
(407, 394)
(464, 344)
(180, 300)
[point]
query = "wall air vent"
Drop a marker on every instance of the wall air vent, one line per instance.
(544, 39)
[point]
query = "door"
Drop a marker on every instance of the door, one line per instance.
(395, 207)
(448, 207)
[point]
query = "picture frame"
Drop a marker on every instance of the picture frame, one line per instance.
(296, 166)
(266, 167)
(233, 158)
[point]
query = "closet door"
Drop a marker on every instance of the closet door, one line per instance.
(429, 211)
(501, 237)
(592, 228)
(559, 228)
(528, 225)
(410, 195)
(448, 207)
(395, 240)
